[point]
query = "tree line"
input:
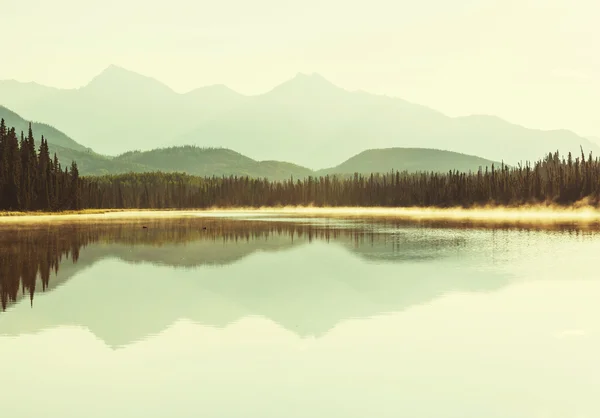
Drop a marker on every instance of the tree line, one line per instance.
(29, 180)
(551, 180)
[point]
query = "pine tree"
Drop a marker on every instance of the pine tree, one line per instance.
(43, 177)
(3, 161)
(55, 184)
(75, 190)
(11, 192)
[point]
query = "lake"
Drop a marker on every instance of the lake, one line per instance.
(268, 316)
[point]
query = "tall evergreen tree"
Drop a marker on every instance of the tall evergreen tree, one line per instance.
(11, 193)
(3, 160)
(43, 177)
(75, 189)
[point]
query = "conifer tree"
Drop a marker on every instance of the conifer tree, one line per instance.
(43, 176)
(11, 192)
(75, 189)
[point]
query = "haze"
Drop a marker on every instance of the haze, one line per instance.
(532, 62)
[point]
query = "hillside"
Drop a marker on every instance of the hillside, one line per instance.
(307, 120)
(67, 149)
(225, 162)
(54, 136)
(408, 159)
(594, 139)
(222, 161)
(212, 162)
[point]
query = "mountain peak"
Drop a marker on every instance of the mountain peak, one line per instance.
(118, 78)
(306, 85)
(115, 71)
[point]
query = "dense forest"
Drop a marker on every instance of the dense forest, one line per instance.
(30, 180)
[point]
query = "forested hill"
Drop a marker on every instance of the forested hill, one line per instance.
(221, 161)
(409, 159)
(31, 180)
(552, 180)
(188, 159)
(225, 162)
(212, 162)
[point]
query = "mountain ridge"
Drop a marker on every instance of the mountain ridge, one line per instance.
(306, 119)
(221, 161)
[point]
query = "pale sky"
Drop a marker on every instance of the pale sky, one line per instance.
(532, 62)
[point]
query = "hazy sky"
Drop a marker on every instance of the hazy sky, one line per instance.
(533, 62)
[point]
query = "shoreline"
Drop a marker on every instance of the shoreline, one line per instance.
(484, 215)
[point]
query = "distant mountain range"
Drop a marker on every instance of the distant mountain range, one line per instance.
(223, 161)
(306, 120)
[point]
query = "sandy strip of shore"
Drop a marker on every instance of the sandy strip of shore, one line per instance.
(530, 214)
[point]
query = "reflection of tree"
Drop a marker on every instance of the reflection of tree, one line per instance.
(28, 255)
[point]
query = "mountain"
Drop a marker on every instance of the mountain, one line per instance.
(306, 120)
(408, 159)
(594, 139)
(18, 95)
(313, 122)
(212, 162)
(118, 110)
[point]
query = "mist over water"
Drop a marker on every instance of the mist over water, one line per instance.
(579, 215)
(272, 315)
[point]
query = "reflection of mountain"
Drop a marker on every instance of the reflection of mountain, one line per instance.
(308, 289)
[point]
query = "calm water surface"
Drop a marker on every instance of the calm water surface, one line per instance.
(298, 318)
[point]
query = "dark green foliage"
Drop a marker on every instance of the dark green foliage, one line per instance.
(10, 179)
(209, 162)
(547, 181)
(407, 159)
(29, 180)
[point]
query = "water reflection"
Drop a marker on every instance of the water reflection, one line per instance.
(305, 276)
(270, 319)
(28, 255)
